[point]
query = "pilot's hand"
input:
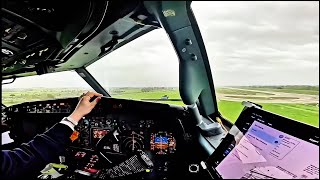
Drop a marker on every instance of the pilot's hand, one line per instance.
(84, 106)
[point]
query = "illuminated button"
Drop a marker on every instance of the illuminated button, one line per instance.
(148, 170)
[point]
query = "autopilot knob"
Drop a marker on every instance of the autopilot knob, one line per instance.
(86, 122)
(124, 127)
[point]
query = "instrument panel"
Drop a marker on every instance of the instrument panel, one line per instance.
(144, 134)
(155, 131)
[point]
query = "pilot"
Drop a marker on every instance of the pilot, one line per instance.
(45, 148)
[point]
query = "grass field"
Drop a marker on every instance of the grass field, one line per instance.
(308, 114)
(311, 90)
(15, 96)
(152, 94)
(240, 92)
(261, 97)
(304, 112)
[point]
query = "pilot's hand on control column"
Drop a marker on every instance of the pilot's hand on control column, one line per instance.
(84, 106)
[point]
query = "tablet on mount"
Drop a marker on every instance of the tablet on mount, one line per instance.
(263, 145)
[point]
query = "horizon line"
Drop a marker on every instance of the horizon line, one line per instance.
(150, 86)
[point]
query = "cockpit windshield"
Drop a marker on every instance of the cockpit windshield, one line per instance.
(147, 69)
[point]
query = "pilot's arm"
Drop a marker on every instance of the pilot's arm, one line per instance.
(46, 147)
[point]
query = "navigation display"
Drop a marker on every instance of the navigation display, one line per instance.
(266, 153)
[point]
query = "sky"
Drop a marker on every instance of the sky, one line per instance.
(248, 43)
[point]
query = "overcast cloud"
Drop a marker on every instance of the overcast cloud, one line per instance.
(248, 43)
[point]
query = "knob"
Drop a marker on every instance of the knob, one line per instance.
(193, 168)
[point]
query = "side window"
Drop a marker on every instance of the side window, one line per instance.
(44, 87)
(264, 52)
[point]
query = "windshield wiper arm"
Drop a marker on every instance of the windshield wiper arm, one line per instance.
(84, 74)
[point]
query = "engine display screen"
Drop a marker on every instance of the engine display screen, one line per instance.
(162, 143)
(97, 134)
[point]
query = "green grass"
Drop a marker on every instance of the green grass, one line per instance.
(299, 112)
(137, 94)
(173, 94)
(239, 92)
(262, 97)
(16, 96)
(147, 93)
(230, 109)
(311, 90)
(306, 113)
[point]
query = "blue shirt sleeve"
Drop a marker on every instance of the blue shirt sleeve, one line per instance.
(33, 156)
